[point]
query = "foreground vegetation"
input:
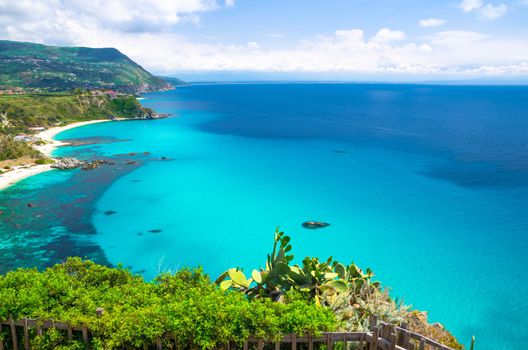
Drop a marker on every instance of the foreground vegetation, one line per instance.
(280, 298)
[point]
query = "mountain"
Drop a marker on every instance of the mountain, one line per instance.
(28, 65)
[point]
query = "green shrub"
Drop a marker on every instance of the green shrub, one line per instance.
(44, 160)
(185, 304)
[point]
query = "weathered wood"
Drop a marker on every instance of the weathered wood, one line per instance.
(70, 332)
(392, 340)
(373, 322)
(381, 337)
(374, 340)
(85, 335)
(13, 333)
(26, 335)
(361, 343)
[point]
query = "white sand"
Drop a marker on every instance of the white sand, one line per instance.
(21, 172)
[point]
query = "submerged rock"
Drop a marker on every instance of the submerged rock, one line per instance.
(110, 212)
(155, 231)
(95, 164)
(314, 224)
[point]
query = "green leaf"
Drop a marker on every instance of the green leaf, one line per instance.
(225, 285)
(256, 276)
(282, 268)
(339, 285)
(238, 278)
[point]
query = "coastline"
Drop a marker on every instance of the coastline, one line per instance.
(18, 173)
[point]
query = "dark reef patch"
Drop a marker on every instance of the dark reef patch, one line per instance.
(57, 224)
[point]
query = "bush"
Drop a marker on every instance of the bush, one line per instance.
(185, 305)
(44, 160)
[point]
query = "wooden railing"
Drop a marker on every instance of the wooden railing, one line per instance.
(381, 336)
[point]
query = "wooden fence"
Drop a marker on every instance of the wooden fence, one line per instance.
(381, 336)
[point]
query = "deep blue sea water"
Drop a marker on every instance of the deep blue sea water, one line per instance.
(427, 185)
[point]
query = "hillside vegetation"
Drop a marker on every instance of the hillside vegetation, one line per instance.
(19, 113)
(28, 65)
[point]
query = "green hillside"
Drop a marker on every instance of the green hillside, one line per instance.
(20, 112)
(28, 65)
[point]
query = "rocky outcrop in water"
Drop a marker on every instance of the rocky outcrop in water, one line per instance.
(67, 163)
(73, 163)
(314, 224)
(95, 164)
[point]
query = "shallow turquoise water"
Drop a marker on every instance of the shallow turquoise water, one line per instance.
(434, 203)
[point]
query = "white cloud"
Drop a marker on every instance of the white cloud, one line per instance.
(432, 22)
(230, 3)
(386, 35)
(253, 45)
(485, 11)
(144, 30)
(492, 12)
(470, 5)
(113, 15)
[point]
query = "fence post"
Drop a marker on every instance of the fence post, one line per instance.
(373, 321)
(374, 341)
(26, 335)
(294, 341)
(392, 340)
(13, 333)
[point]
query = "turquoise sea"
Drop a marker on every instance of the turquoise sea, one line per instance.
(427, 185)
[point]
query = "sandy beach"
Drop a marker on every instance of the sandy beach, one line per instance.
(21, 172)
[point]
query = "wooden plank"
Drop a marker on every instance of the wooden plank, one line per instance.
(13, 333)
(158, 344)
(422, 344)
(361, 345)
(392, 340)
(373, 322)
(245, 345)
(85, 335)
(260, 344)
(70, 332)
(374, 339)
(310, 343)
(277, 345)
(294, 341)
(26, 335)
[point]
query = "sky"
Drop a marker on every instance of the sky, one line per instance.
(289, 39)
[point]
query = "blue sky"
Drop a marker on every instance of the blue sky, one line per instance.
(290, 39)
